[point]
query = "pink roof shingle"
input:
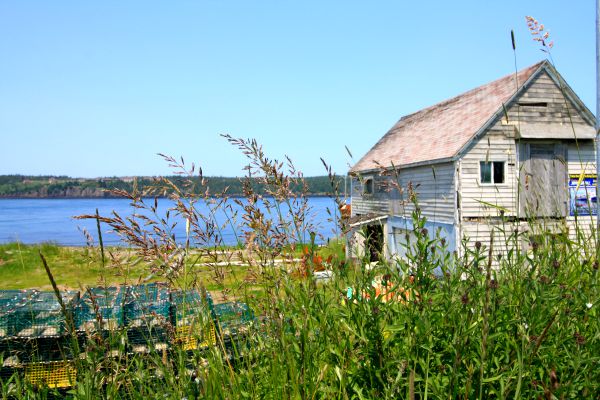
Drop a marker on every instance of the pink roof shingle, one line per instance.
(440, 131)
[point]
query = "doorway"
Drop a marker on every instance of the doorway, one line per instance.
(374, 242)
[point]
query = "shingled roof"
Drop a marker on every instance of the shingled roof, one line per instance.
(440, 131)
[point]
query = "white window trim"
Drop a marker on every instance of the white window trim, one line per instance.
(505, 183)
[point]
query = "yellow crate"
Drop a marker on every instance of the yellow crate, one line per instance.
(184, 335)
(55, 374)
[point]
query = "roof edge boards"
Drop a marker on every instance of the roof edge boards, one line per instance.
(543, 67)
(569, 93)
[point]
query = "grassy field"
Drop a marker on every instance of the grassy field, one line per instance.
(78, 267)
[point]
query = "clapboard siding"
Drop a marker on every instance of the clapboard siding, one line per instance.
(583, 230)
(558, 110)
(434, 187)
(476, 197)
(581, 157)
(481, 231)
(433, 184)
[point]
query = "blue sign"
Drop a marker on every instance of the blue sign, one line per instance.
(582, 195)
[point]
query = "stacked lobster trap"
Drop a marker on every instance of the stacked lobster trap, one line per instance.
(36, 338)
(100, 317)
(41, 338)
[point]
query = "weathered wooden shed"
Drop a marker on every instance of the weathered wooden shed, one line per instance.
(518, 149)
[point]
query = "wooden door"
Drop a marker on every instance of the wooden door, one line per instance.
(543, 179)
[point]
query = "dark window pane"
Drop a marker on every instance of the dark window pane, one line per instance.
(498, 172)
(369, 186)
(486, 172)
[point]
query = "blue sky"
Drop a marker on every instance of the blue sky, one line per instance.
(98, 88)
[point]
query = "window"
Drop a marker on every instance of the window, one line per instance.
(369, 186)
(491, 172)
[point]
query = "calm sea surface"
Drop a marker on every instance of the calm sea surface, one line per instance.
(51, 220)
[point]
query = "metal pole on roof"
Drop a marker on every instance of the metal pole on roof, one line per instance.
(597, 119)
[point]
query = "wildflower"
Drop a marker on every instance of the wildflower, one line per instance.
(424, 231)
(556, 264)
(588, 305)
(579, 338)
(544, 279)
(465, 299)
(533, 339)
(494, 284)
(478, 245)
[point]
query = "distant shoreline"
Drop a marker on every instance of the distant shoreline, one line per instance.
(64, 187)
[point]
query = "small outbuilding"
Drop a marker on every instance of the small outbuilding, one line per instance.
(519, 150)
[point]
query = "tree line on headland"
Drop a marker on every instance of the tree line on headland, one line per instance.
(47, 186)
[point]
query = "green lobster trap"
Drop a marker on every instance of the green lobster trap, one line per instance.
(147, 317)
(10, 302)
(192, 315)
(233, 319)
(37, 328)
(101, 309)
(100, 319)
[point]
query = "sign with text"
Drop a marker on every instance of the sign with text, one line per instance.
(582, 195)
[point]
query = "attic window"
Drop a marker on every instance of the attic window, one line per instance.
(491, 172)
(533, 104)
(368, 186)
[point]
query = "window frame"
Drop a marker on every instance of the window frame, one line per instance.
(492, 183)
(368, 183)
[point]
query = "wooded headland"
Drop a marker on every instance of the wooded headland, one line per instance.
(48, 186)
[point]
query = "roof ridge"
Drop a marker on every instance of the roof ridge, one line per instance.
(454, 99)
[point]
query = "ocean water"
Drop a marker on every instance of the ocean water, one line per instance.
(51, 220)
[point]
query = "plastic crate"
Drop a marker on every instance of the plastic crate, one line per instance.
(233, 318)
(57, 374)
(101, 309)
(147, 317)
(192, 314)
(188, 338)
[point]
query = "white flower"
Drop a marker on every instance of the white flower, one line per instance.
(588, 305)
